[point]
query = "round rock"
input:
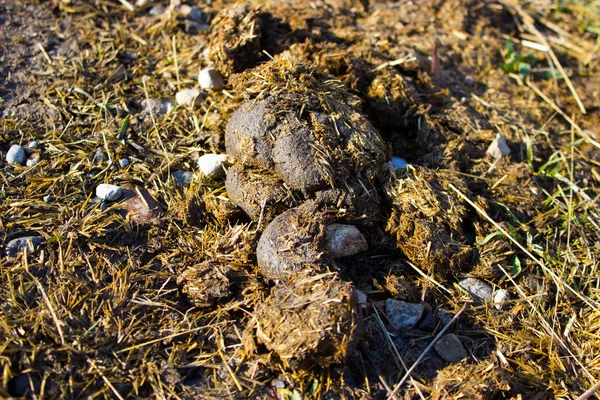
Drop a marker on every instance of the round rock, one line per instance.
(210, 79)
(450, 348)
(188, 97)
(27, 244)
(108, 192)
(211, 165)
(403, 316)
(124, 162)
(16, 155)
(344, 240)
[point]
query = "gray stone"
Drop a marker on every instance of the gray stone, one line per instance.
(403, 315)
(99, 156)
(500, 296)
(49, 198)
(182, 178)
(344, 240)
(210, 79)
(157, 107)
(477, 288)
(124, 162)
(34, 145)
(157, 10)
(450, 348)
(499, 148)
(108, 192)
(16, 155)
(211, 165)
(27, 244)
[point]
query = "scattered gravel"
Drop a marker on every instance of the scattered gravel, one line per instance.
(124, 162)
(450, 348)
(189, 97)
(477, 288)
(210, 79)
(16, 155)
(29, 244)
(403, 316)
(499, 148)
(182, 178)
(344, 240)
(108, 192)
(211, 165)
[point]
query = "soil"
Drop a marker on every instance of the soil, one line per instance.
(226, 288)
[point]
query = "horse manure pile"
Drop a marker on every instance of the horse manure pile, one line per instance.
(295, 199)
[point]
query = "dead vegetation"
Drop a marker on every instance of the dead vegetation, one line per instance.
(176, 304)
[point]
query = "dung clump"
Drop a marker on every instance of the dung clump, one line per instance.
(303, 126)
(292, 243)
(311, 320)
(427, 220)
(235, 39)
(205, 283)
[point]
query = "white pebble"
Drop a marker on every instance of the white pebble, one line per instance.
(211, 165)
(16, 155)
(108, 192)
(500, 296)
(498, 148)
(124, 162)
(188, 97)
(344, 240)
(209, 78)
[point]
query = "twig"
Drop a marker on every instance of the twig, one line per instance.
(588, 393)
(127, 5)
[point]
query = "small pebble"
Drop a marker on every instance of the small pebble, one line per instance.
(193, 27)
(33, 159)
(403, 315)
(477, 288)
(108, 192)
(49, 198)
(157, 10)
(399, 163)
(344, 240)
(157, 107)
(501, 296)
(34, 145)
(499, 148)
(361, 298)
(16, 155)
(192, 13)
(28, 243)
(188, 97)
(450, 348)
(99, 156)
(139, 206)
(210, 79)
(182, 178)
(211, 165)
(124, 162)
(278, 384)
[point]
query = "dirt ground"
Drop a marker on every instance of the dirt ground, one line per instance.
(231, 287)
